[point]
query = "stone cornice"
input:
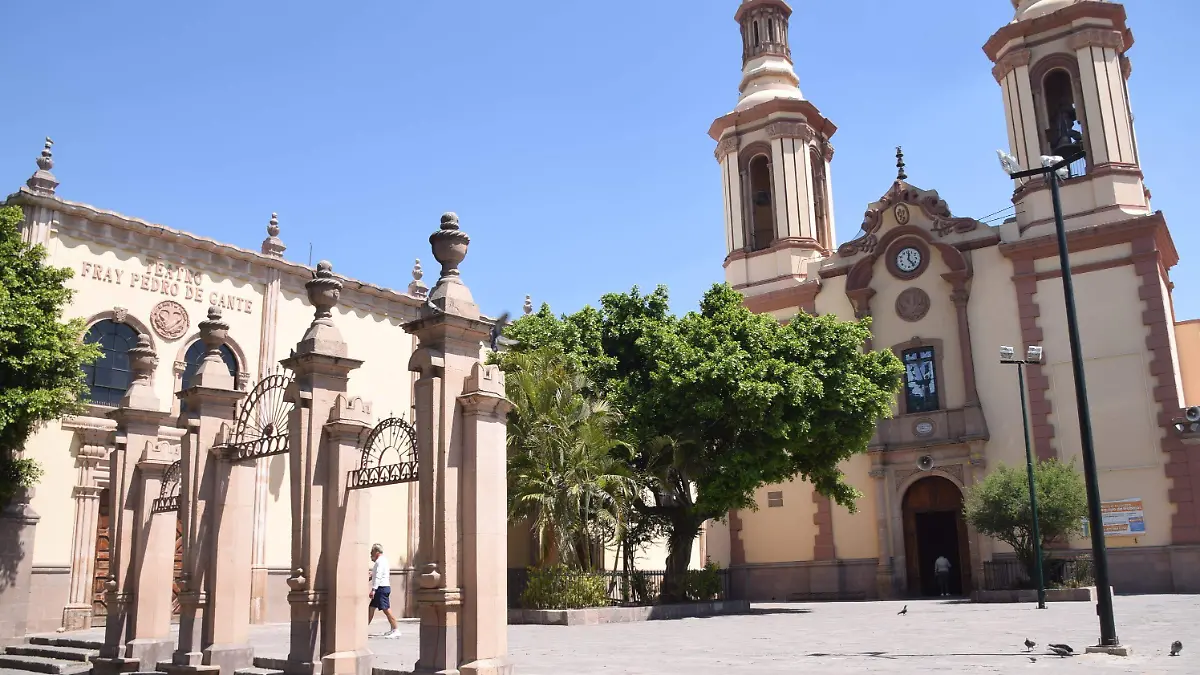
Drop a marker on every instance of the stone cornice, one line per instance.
(762, 111)
(1010, 62)
(1097, 37)
(1090, 9)
(725, 147)
(790, 130)
(227, 252)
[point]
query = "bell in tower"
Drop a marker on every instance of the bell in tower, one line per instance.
(1063, 71)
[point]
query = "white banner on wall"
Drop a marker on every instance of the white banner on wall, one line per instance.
(1122, 518)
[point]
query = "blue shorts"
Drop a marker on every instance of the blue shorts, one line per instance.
(382, 598)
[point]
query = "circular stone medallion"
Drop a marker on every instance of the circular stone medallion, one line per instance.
(923, 428)
(902, 214)
(169, 319)
(912, 304)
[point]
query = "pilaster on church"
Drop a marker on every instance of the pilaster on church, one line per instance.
(775, 154)
(1063, 74)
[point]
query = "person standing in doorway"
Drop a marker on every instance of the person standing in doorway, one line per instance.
(381, 591)
(941, 568)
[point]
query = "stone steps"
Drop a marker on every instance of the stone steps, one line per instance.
(76, 643)
(42, 664)
(54, 652)
(257, 671)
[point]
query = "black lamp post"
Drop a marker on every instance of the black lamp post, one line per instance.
(1104, 608)
(1032, 355)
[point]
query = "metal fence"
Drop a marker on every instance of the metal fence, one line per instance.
(636, 588)
(1009, 573)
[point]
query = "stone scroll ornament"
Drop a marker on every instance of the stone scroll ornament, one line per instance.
(169, 319)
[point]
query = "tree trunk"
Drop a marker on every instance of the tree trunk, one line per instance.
(679, 554)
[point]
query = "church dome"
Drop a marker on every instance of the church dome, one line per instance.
(1032, 9)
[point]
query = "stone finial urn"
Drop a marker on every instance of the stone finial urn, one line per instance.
(449, 245)
(324, 291)
(142, 360)
(213, 333)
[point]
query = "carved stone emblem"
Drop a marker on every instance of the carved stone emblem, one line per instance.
(912, 304)
(169, 319)
(902, 214)
(923, 428)
(120, 314)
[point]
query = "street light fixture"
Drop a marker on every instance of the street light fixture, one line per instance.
(1033, 355)
(1053, 170)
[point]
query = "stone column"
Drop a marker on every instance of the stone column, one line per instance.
(211, 406)
(452, 445)
(322, 370)
(883, 573)
(17, 524)
(344, 632)
(138, 418)
(227, 619)
(485, 522)
(267, 362)
(153, 565)
(95, 441)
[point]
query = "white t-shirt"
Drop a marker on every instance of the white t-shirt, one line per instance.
(381, 574)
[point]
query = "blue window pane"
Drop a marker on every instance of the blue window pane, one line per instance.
(109, 376)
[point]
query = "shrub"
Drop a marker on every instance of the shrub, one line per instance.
(558, 587)
(643, 593)
(16, 474)
(703, 584)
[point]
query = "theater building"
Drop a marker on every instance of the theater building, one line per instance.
(944, 293)
(135, 277)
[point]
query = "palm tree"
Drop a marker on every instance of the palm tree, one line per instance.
(568, 474)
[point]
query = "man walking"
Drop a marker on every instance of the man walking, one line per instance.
(941, 568)
(381, 591)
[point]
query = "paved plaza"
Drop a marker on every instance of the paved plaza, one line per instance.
(949, 637)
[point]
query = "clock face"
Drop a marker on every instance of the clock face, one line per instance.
(908, 259)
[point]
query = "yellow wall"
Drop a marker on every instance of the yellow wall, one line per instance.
(856, 535)
(784, 533)
(1187, 337)
(1120, 391)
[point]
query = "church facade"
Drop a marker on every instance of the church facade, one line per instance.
(945, 293)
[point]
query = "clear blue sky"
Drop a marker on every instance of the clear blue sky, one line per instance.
(570, 137)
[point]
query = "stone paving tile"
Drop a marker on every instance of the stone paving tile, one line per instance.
(867, 637)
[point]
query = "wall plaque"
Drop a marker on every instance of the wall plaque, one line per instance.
(912, 304)
(169, 319)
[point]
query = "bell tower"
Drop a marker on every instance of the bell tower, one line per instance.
(1063, 72)
(774, 153)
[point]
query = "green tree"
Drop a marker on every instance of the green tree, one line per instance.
(999, 507)
(566, 476)
(41, 356)
(722, 401)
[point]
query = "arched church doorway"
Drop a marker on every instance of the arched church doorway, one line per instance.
(933, 527)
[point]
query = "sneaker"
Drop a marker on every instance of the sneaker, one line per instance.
(393, 633)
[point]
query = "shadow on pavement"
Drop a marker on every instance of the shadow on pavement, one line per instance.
(756, 611)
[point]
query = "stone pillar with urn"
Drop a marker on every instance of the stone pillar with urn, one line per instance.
(328, 594)
(138, 417)
(212, 403)
(460, 420)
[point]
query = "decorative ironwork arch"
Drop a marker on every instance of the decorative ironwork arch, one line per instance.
(392, 436)
(261, 428)
(168, 496)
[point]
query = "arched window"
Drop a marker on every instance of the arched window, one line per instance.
(195, 356)
(109, 376)
(1064, 131)
(762, 209)
(819, 191)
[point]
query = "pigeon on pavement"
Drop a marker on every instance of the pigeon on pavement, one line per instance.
(1061, 651)
(1029, 644)
(1176, 647)
(903, 611)
(1065, 648)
